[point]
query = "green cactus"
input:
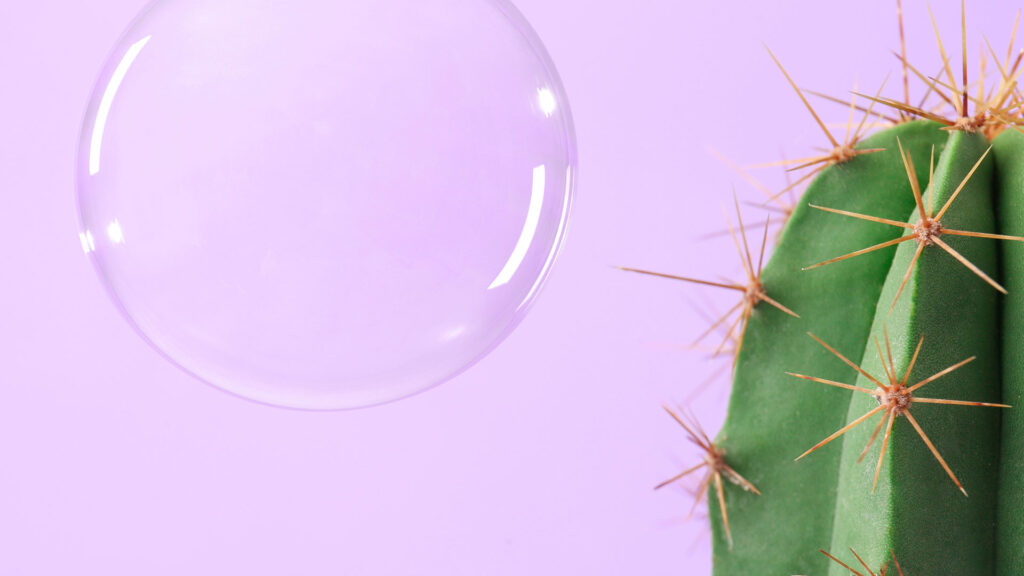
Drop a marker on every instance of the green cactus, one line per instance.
(879, 352)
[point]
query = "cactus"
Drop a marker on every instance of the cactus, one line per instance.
(879, 351)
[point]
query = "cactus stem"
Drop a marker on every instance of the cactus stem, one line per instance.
(926, 231)
(894, 399)
(716, 467)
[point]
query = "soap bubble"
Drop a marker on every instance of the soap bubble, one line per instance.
(326, 204)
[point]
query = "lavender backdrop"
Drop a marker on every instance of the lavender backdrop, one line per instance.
(541, 459)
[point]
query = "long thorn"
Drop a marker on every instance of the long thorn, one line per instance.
(860, 107)
(681, 475)
(915, 186)
(963, 39)
(982, 235)
(871, 441)
(740, 481)
(717, 323)
(691, 433)
(871, 107)
(942, 373)
(842, 431)
(888, 350)
(885, 444)
(684, 279)
(881, 357)
(863, 216)
(963, 183)
(831, 382)
(861, 252)
(701, 491)
(910, 109)
(906, 277)
(903, 52)
(803, 99)
(840, 562)
(721, 505)
(970, 265)
(931, 178)
(960, 403)
(847, 361)
(935, 452)
(764, 244)
(775, 303)
(743, 335)
(746, 175)
(945, 58)
(913, 360)
(853, 108)
(897, 562)
(862, 563)
(743, 233)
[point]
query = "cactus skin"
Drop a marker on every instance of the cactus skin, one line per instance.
(772, 417)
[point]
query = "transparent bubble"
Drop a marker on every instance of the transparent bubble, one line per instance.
(326, 204)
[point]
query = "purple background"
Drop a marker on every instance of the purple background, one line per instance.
(541, 459)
